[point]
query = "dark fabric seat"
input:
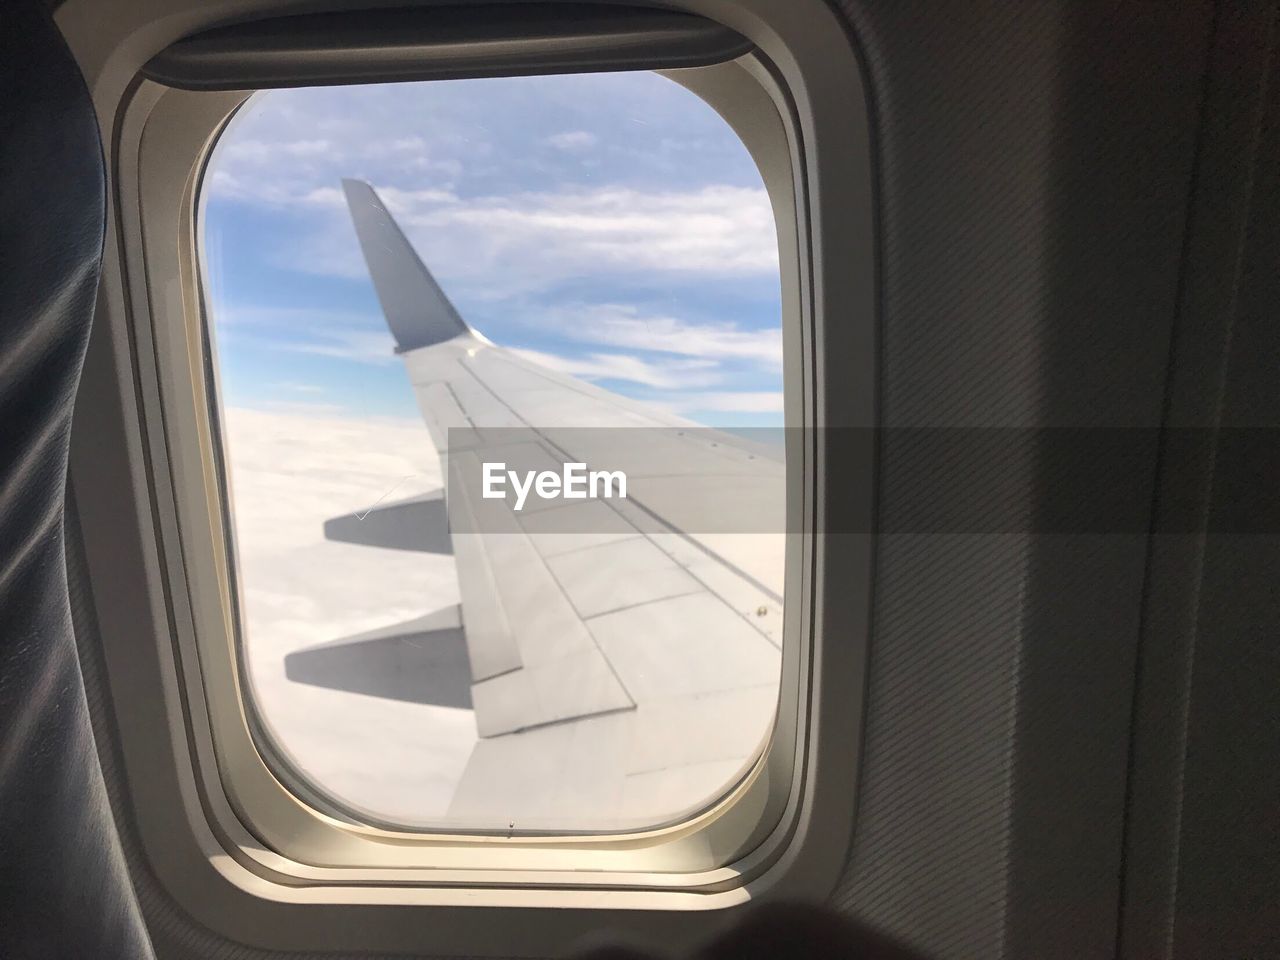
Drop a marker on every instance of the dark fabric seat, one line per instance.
(64, 890)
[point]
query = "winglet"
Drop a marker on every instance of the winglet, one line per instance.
(417, 310)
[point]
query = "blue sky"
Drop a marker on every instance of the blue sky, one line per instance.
(611, 226)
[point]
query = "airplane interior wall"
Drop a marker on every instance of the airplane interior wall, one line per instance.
(1035, 162)
(1089, 264)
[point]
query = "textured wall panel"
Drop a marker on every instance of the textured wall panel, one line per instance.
(1034, 164)
(1228, 880)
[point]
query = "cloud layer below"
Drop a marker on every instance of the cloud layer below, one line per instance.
(291, 471)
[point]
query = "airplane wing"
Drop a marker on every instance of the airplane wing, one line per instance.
(624, 654)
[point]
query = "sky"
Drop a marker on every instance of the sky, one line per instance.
(609, 226)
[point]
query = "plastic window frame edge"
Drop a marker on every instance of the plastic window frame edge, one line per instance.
(757, 796)
(789, 864)
(329, 846)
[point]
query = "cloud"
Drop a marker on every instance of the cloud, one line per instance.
(303, 408)
(262, 151)
(532, 240)
(624, 326)
(243, 185)
(294, 188)
(355, 336)
(497, 247)
(759, 401)
(491, 216)
(605, 366)
(572, 140)
(253, 317)
(398, 144)
(290, 471)
(273, 172)
(357, 345)
(406, 202)
(719, 229)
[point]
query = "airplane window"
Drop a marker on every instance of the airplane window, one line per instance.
(499, 378)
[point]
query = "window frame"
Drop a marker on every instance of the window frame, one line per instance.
(741, 88)
(206, 844)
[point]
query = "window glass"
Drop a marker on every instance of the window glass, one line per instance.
(499, 372)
